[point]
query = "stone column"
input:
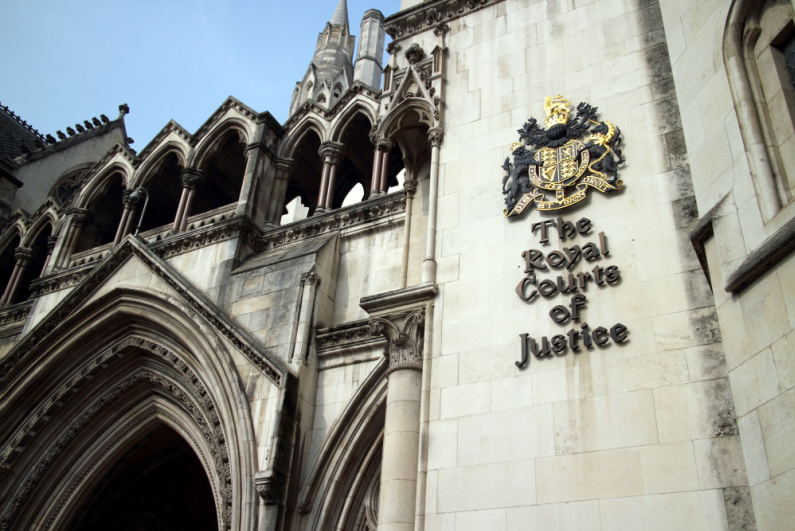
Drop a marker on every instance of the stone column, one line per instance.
(306, 309)
(22, 256)
(192, 179)
(51, 240)
(125, 216)
(385, 145)
(331, 154)
(429, 264)
(404, 333)
(376, 178)
(410, 186)
(80, 217)
(284, 170)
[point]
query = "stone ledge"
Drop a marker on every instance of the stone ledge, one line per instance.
(767, 255)
(398, 298)
(431, 14)
(366, 211)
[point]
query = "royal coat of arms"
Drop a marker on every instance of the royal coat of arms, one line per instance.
(551, 160)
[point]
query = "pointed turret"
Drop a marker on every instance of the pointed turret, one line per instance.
(340, 16)
(368, 67)
(330, 74)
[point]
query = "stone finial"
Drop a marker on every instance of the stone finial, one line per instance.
(70, 131)
(340, 16)
(60, 135)
(104, 118)
(51, 139)
(96, 121)
(80, 128)
(87, 124)
(124, 109)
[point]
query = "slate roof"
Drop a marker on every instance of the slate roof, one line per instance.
(15, 131)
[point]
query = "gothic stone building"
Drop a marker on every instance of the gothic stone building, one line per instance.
(540, 314)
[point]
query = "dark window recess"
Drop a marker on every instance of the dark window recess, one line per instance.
(788, 49)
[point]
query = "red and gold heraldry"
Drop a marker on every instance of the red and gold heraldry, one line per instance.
(553, 159)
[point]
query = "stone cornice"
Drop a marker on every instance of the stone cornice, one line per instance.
(429, 15)
(346, 337)
(230, 103)
(366, 211)
(17, 313)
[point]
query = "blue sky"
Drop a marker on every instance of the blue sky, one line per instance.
(64, 61)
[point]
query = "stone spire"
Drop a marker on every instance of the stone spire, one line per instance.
(340, 16)
(330, 74)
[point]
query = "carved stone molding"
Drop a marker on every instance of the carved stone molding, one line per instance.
(331, 152)
(198, 405)
(16, 313)
(360, 213)
(410, 186)
(344, 337)
(430, 14)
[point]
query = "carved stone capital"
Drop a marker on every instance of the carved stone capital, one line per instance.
(128, 200)
(310, 277)
(270, 489)
(285, 168)
(23, 255)
(51, 241)
(80, 216)
(435, 137)
(411, 187)
(405, 334)
(384, 144)
(331, 152)
(192, 178)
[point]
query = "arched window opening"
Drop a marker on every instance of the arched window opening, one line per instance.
(396, 172)
(756, 41)
(357, 166)
(34, 267)
(8, 261)
(106, 209)
(165, 189)
(294, 211)
(223, 175)
(400, 178)
(159, 484)
(356, 195)
(305, 181)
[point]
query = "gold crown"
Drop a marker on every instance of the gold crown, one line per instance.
(557, 110)
(515, 146)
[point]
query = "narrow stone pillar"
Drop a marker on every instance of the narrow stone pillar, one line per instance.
(192, 179)
(80, 217)
(429, 264)
(404, 333)
(284, 171)
(376, 178)
(306, 309)
(385, 145)
(22, 256)
(51, 240)
(410, 186)
(125, 217)
(331, 154)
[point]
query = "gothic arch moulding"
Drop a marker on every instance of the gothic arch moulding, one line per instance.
(211, 142)
(338, 491)
(96, 185)
(358, 107)
(86, 381)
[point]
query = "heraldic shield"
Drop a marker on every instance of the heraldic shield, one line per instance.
(552, 159)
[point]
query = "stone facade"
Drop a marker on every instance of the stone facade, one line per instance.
(424, 358)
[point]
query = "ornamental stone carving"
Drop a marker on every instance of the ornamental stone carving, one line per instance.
(405, 335)
(192, 178)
